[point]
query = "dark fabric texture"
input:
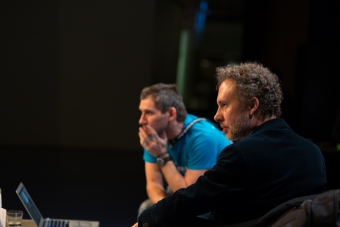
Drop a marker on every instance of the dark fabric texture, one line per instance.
(321, 211)
(252, 176)
(316, 210)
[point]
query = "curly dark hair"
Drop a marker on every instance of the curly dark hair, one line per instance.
(254, 80)
(165, 96)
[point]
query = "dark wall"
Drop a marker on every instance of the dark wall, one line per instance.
(105, 60)
(71, 72)
(299, 40)
(318, 78)
(29, 69)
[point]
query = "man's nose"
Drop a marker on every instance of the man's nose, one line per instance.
(218, 116)
(142, 120)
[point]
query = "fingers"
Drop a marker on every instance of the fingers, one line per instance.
(150, 131)
(146, 136)
(152, 142)
(143, 137)
(164, 136)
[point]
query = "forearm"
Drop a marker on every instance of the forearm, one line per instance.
(173, 177)
(155, 193)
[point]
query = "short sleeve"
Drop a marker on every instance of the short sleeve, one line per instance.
(147, 157)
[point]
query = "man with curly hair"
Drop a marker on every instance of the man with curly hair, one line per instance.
(267, 165)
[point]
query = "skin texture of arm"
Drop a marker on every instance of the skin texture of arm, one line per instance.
(154, 179)
(176, 180)
(154, 182)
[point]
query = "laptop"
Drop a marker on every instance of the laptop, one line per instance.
(42, 222)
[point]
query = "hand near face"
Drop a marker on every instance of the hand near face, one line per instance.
(149, 139)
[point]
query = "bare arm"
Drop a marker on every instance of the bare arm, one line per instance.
(154, 182)
(175, 178)
(157, 146)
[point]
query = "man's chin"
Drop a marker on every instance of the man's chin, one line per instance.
(233, 136)
(228, 136)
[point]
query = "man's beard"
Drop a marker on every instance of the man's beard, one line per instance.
(239, 128)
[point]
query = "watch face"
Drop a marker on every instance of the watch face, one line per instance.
(160, 162)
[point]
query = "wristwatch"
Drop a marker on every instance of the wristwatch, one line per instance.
(161, 161)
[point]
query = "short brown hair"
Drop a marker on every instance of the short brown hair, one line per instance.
(165, 96)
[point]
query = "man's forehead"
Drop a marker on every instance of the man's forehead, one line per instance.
(226, 88)
(147, 103)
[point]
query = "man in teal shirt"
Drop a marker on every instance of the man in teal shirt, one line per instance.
(193, 144)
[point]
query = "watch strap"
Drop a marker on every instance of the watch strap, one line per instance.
(163, 154)
(162, 161)
(166, 159)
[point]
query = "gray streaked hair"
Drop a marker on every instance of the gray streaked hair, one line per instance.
(254, 80)
(165, 96)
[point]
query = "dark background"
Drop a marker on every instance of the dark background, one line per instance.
(71, 73)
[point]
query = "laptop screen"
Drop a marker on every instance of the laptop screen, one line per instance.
(29, 204)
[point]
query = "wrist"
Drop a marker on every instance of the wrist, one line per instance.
(163, 158)
(163, 155)
(162, 161)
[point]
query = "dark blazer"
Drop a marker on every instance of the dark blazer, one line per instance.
(270, 166)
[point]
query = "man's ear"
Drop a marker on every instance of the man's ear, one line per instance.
(254, 105)
(172, 113)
